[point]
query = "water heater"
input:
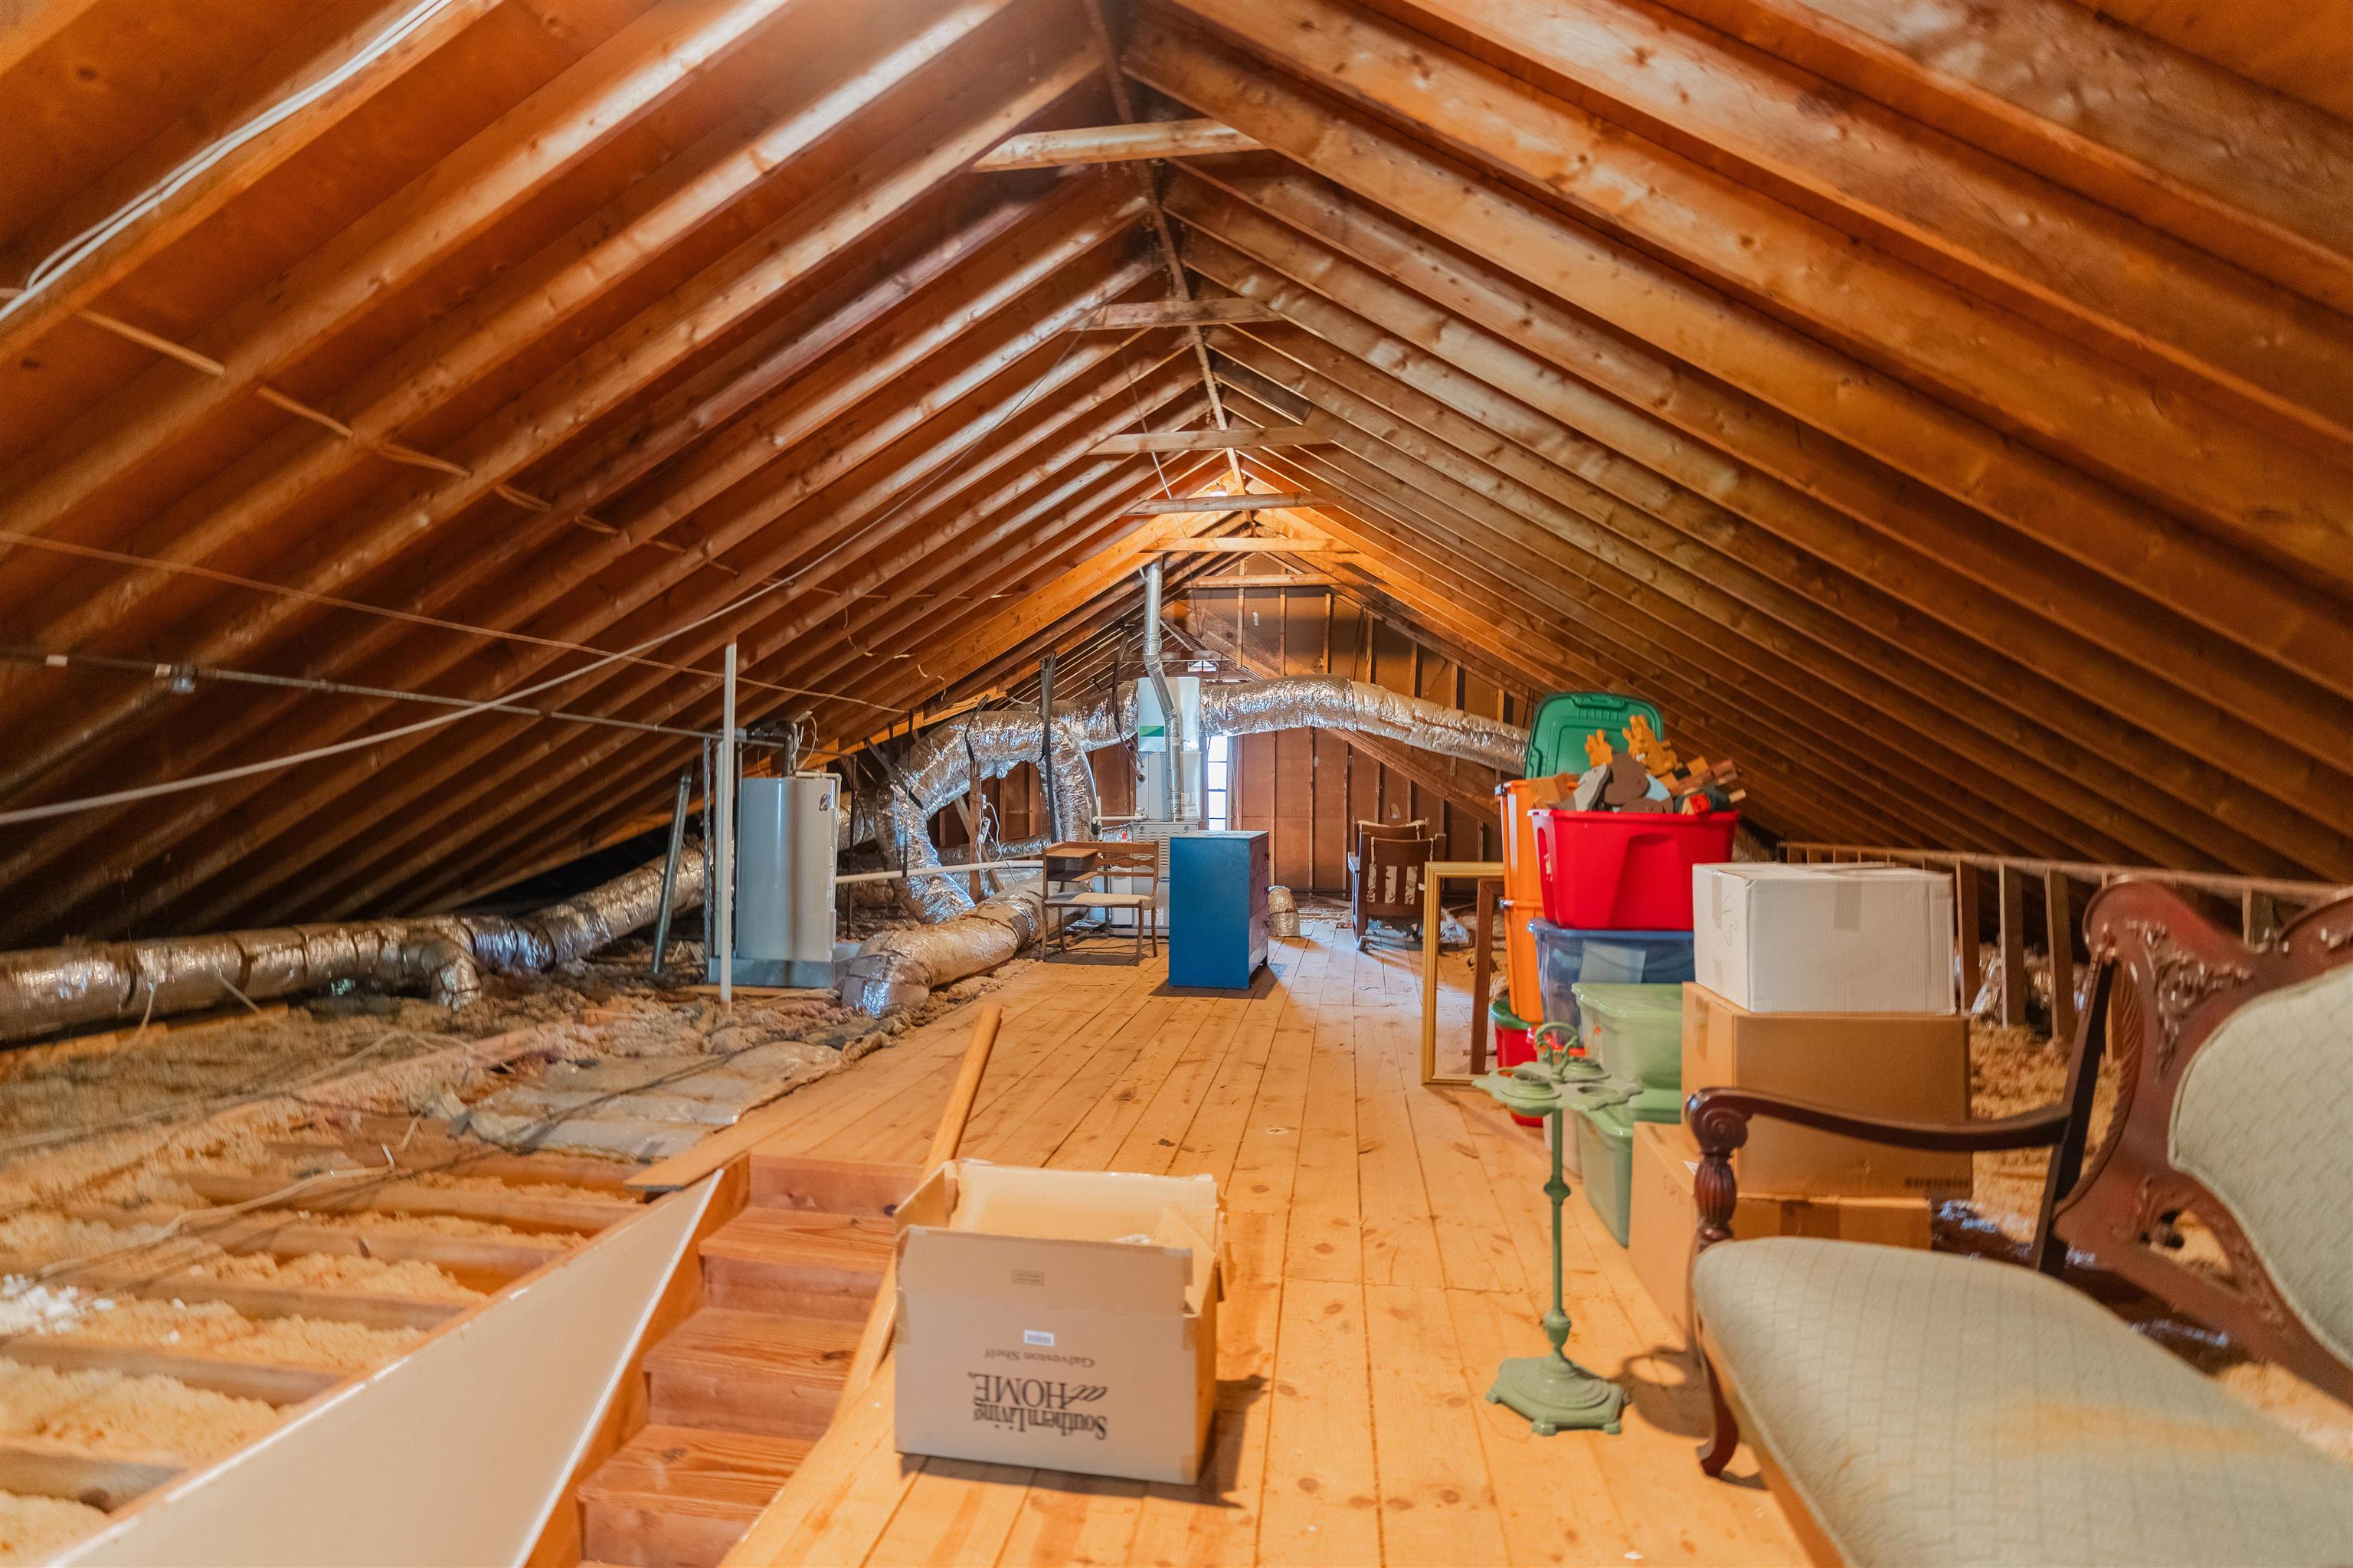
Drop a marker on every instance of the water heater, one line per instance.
(784, 880)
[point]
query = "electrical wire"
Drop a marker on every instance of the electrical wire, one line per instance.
(183, 568)
(192, 672)
(356, 743)
(90, 239)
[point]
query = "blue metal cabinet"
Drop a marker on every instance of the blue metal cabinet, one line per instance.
(1216, 909)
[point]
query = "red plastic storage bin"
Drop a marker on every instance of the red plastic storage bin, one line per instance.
(1514, 1043)
(1625, 871)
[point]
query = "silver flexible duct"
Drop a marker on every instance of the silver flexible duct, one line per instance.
(1078, 806)
(1334, 701)
(898, 968)
(49, 989)
(939, 768)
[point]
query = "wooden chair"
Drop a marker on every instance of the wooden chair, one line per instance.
(1385, 875)
(1879, 1385)
(1125, 862)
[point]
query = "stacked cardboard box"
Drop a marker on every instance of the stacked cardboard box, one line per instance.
(1666, 1170)
(1831, 984)
(1062, 1318)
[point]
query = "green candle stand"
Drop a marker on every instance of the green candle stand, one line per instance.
(1552, 1391)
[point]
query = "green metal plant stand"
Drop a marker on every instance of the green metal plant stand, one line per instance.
(1552, 1391)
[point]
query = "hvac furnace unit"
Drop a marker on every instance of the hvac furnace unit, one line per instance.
(784, 880)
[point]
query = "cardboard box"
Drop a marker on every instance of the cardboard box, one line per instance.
(1824, 938)
(1060, 1318)
(1665, 1221)
(1907, 1066)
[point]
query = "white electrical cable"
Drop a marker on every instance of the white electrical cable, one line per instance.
(360, 742)
(91, 238)
(270, 765)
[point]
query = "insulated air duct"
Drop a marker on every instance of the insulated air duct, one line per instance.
(50, 988)
(939, 768)
(897, 969)
(1334, 701)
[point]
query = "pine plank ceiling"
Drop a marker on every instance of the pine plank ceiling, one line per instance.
(1945, 408)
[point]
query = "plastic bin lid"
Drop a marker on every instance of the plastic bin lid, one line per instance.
(1619, 999)
(1559, 727)
(1499, 1011)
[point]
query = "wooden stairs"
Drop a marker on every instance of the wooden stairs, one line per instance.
(735, 1395)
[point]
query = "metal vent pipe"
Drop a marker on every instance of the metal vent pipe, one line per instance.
(1172, 722)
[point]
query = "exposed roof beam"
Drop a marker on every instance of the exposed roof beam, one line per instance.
(2198, 150)
(537, 298)
(1241, 545)
(107, 262)
(540, 552)
(503, 165)
(756, 626)
(498, 804)
(953, 633)
(2103, 556)
(2169, 309)
(1148, 179)
(1809, 732)
(1213, 441)
(1920, 670)
(1439, 595)
(1924, 561)
(1270, 580)
(825, 639)
(903, 170)
(1116, 145)
(1221, 503)
(2265, 501)
(1767, 627)
(609, 619)
(1174, 312)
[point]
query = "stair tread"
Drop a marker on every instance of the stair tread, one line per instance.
(833, 1186)
(721, 1339)
(689, 1470)
(786, 1236)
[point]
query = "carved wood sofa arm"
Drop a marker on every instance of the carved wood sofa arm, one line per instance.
(1719, 1118)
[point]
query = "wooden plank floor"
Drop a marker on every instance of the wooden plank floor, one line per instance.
(1390, 1249)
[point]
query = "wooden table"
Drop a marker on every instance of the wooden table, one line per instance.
(1433, 876)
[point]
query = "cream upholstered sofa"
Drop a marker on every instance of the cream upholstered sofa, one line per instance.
(1924, 1408)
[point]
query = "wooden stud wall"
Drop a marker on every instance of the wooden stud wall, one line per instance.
(1308, 788)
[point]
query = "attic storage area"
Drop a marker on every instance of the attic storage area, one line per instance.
(643, 635)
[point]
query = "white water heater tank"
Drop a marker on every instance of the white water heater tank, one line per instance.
(784, 880)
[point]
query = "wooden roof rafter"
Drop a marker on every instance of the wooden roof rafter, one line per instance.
(1645, 562)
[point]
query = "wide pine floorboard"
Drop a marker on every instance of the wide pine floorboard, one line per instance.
(1388, 1246)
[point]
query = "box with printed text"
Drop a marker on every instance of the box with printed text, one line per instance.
(1065, 1319)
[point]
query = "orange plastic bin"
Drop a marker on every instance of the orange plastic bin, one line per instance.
(1524, 884)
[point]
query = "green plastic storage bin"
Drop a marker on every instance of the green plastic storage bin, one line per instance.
(1563, 720)
(1604, 1153)
(1636, 1032)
